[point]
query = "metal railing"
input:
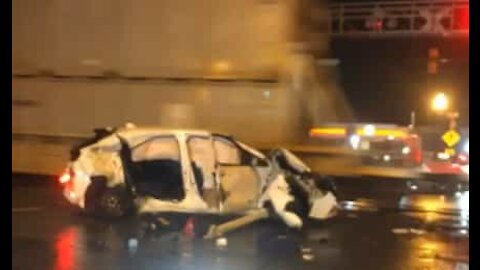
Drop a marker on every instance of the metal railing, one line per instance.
(435, 17)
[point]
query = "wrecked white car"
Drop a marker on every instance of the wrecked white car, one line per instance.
(154, 170)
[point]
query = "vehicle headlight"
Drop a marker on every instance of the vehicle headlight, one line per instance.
(369, 130)
(354, 141)
(443, 156)
(406, 150)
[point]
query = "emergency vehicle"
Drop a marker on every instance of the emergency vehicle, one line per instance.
(376, 144)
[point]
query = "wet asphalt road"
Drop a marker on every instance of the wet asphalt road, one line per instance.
(47, 234)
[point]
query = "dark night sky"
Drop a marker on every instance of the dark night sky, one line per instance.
(385, 78)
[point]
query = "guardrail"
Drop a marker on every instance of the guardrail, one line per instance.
(48, 138)
(118, 77)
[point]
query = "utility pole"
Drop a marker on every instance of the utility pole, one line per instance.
(412, 120)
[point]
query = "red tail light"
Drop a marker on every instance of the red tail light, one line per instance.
(462, 159)
(66, 176)
(417, 156)
(413, 141)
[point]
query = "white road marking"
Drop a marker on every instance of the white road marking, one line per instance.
(26, 209)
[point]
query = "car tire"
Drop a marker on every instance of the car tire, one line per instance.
(326, 184)
(115, 203)
(93, 194)
(298, 207)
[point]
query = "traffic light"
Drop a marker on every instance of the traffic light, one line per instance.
(461, 17)
(433, 58)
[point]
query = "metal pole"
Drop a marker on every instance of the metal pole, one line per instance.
(412, 120)
(452, 117)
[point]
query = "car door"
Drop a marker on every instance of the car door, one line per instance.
(239, 185)
(202, 157)
(158, 170)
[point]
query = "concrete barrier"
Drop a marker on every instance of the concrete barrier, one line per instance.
(48, 155)
(37, 157)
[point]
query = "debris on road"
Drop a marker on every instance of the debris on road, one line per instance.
(219, 230)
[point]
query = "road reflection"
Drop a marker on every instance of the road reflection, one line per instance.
(457, 204)
(445, 210)
(448, 212)
(342, 241)
(66, 253)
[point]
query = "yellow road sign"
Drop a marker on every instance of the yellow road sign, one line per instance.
(451, 138)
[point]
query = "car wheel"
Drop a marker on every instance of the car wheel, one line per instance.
(298, 207)
(93, 194)
(115, 203)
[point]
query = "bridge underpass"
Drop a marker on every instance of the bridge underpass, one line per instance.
(51, 67)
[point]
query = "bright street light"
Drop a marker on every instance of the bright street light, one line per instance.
(440, 102)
